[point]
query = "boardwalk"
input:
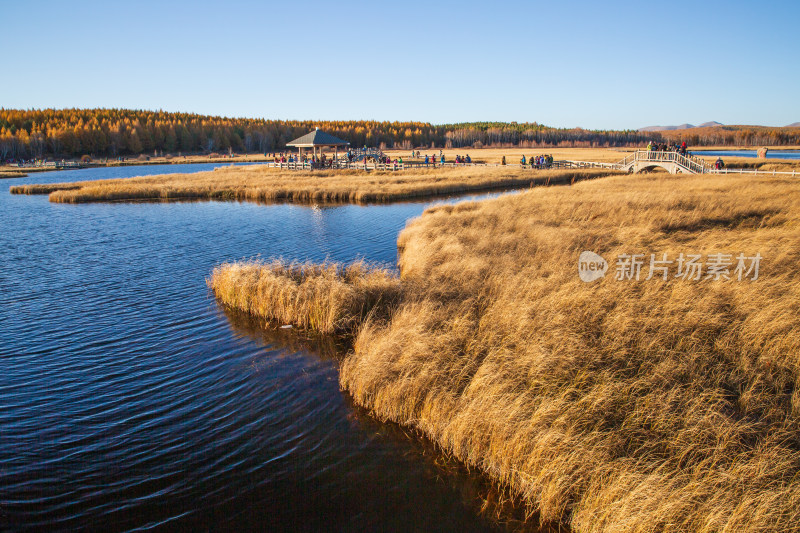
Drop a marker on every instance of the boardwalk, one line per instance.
(641, 160)
(369, 159)
(58, 165)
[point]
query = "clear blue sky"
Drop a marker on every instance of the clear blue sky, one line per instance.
(595, 64)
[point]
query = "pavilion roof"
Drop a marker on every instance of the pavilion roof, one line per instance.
(317, 138)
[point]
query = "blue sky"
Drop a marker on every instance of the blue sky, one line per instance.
(594, 64)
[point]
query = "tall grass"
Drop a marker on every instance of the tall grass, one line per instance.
(270, 185)
(11, 174)
(328, 298)
(613, 406)
(610, 406)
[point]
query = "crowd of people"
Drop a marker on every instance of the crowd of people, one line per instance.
(316, 162)
(542, 161)
(323, 161)
(681, 149)
(539, 161)
(667, 147)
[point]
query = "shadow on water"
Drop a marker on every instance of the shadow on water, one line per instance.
(325, 347)
(497, 508)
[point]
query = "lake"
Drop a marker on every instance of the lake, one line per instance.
(771, 154)
(129, 400)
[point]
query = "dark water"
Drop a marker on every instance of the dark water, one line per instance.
(129, 400)
(771, 154)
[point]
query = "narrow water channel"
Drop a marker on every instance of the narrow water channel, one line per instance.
(129, 400)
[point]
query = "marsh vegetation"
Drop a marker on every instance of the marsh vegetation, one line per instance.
(260, 184)
(613, 405)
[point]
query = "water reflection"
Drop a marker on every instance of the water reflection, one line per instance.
(325, 347)
(496, 507)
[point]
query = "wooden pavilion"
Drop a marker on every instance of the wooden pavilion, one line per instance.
(317, 139)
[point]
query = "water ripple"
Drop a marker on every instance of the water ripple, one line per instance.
(130, 401)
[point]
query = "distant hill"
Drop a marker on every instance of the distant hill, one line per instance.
(681, 127)
(667, 128)
(793, 125)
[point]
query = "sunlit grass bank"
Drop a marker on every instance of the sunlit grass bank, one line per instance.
(616, 406)
(645, 405)
(12, 174)
(270, 185)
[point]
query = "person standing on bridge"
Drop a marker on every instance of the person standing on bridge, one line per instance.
(442, 158)
(522, 161)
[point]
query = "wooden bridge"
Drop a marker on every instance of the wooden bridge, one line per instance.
(672, 162)
(58, 165)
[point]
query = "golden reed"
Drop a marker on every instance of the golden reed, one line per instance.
(645, 405)
(328, 298)
(260, 184)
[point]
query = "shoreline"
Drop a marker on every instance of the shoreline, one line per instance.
(266, 185)
(449, 152)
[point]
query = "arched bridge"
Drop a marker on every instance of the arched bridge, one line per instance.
(672, 162)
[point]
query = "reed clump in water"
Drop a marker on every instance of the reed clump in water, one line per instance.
(261, 184)
(12, 174)
(328, 298)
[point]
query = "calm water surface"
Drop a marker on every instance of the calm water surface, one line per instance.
(130, 401)
(771, 154)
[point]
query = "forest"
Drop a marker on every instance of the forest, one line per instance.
(42, 133)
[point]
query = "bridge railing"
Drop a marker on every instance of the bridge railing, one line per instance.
(628, 160)
(50, 164)
(363, 153)
(690, 163)
(756, 172)
(581, 164)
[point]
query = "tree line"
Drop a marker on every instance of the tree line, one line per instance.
(736, 136)
(40, 133)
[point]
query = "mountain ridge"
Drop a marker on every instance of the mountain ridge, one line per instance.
(685, 126)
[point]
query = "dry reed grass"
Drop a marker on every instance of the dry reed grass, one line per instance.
(12, 174)
(270, 185)
(328, 298)
(613, 406)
